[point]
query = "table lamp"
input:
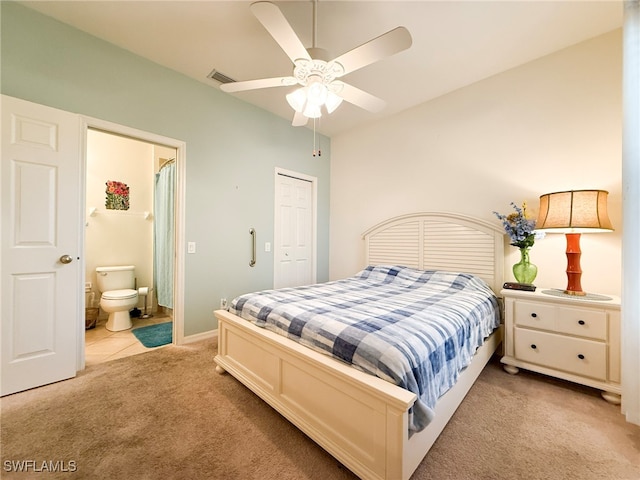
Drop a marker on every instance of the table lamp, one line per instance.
(572, 213)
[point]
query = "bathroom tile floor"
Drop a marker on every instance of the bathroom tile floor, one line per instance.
(101, 345)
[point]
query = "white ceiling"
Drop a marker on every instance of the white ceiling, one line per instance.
(455, 43)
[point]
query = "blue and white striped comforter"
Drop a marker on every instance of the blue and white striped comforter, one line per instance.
(416, 329)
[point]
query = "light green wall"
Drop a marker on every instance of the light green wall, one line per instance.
(232, 147)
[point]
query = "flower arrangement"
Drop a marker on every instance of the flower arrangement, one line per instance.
(519, 227)
(521, 232)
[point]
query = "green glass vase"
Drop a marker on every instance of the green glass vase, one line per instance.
(524, 270)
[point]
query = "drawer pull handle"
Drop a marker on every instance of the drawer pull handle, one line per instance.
(581, 356)
(581, 322)
(534, 315)
(534, 346)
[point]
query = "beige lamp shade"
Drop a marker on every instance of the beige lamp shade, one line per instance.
(575, 211)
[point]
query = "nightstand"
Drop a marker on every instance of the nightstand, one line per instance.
(568, 337)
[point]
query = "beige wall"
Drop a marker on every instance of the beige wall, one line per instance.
(115, 237)
(551, 124)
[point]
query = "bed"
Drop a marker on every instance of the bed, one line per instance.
(365, 422)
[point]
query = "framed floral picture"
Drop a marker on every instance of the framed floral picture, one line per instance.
(117, 195)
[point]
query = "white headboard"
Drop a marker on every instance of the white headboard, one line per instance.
(439, 241)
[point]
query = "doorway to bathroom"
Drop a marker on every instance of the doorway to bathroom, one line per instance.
(130, 221)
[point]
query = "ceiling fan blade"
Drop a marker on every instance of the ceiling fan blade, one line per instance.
(361, 99)
(256, 84)
(277, 25)
(385, 45)
(299, 120)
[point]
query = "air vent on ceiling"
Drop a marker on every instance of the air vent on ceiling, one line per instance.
(220, 77)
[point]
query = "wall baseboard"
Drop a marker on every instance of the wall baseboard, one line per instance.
(200, 336)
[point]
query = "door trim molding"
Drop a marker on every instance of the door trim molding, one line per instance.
(314, 218)
(179, 266)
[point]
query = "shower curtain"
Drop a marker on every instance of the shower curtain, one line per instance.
(164, 234)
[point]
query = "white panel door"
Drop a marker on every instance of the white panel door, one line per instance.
(293, 232)
(40, 194)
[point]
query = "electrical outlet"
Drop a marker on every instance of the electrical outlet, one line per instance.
(87, 286)
(223, 303)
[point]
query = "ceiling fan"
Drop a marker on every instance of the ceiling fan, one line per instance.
(317, 75)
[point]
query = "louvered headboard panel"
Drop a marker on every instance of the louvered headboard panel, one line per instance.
(439, 241)
(397, 245)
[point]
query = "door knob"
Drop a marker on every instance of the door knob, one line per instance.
(66, 259)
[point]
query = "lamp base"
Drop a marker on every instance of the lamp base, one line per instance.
(574, 272)
(574, 293)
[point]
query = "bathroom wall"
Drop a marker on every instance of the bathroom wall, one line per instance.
(119, 237)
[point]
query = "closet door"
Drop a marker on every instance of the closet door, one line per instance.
(41, 244)
(293, 232)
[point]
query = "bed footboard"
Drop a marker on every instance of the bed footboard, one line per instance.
(360, 419)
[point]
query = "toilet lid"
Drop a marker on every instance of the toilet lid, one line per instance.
(120, 294)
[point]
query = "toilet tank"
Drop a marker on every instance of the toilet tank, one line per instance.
(115, 278)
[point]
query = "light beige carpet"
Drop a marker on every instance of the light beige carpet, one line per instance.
(166, 414)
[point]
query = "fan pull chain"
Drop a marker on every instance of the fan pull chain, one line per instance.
(314, 140)
(314, 137)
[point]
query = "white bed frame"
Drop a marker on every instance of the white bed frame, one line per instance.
(358, 418)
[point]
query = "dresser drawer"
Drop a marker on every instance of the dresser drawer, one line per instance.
(536, 315)
(583, 357)
(584, 322)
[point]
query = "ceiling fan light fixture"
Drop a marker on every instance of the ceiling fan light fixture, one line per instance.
(297, 99)
(310, 99)
(317, 91)
(333, 102)
(312, 111)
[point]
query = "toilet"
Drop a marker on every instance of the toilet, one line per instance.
(118, 295)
